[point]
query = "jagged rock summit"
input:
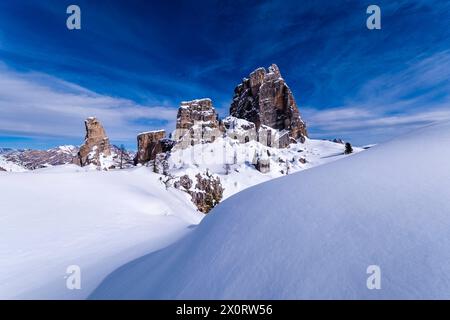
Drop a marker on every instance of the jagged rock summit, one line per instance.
(200, 110)
(265, 99)
(96, 145)
(197, 122)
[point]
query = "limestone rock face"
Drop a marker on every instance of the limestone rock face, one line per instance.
(149, 144)
(96, 144)
(197, 122)
(265, 99)
(200, 110)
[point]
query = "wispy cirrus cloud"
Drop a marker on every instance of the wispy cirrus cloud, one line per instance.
(36, 104)
(138, 57)
(390, 104)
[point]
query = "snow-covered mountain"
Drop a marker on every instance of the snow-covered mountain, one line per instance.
(21, 160)
(12, 160)
(314, 234)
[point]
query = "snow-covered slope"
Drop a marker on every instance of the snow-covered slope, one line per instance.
(233, 162)
(66, 215)
(61, 215)
(313, 234)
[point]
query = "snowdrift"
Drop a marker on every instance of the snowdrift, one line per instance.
(313, 234)
(66, 215)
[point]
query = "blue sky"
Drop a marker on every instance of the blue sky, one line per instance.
(134, 61)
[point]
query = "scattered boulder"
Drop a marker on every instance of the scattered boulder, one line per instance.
(96, 145)
(265, 99)
(149, 144)
(263, 165)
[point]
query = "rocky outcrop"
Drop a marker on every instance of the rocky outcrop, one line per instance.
(209, 194)
(96, 145)
(167, 144)
(150, 144)
(265, 99)
(206, 193)
(192, 112)
(197, 122)
(1, 169)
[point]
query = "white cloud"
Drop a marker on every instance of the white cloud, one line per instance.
(35, 104)
(391, 104)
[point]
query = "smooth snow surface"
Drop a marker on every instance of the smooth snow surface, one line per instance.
(66, 215)
(313, 234)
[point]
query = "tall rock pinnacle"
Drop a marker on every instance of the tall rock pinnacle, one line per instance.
(265, 99)
(96, 144)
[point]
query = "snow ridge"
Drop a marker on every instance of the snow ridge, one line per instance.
(313, 234)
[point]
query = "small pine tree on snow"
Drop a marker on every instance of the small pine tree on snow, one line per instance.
(348, 148)
(122, 152)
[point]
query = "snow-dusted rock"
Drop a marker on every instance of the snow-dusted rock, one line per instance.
(199, 110)
(96, 147)
(197, 122)
(21, 160)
